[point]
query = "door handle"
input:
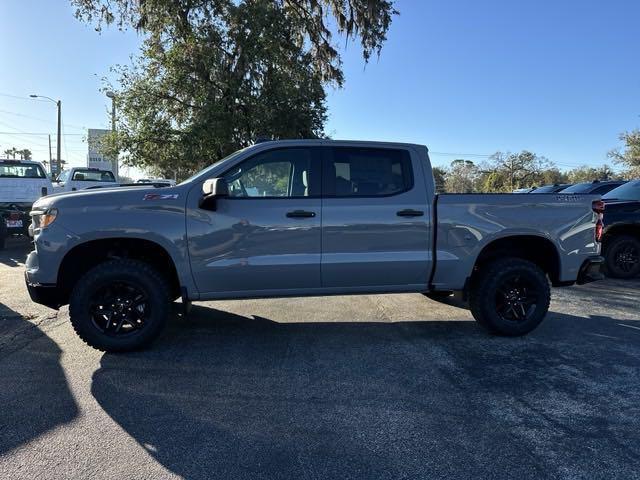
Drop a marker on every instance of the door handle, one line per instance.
(301, 214)
(410, 213)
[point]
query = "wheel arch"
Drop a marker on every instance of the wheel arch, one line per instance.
(86, 255)
(617, 229)
(534, 248)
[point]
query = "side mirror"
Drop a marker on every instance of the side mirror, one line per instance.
(216, 187)
(211, 190)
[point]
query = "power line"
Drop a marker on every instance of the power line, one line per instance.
(450, 154)
(31, 117)
(43, 134)
(21, 98)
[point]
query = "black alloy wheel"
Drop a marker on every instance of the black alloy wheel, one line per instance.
(120, 308)
(517, 298)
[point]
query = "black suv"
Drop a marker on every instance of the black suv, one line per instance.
(621, 241)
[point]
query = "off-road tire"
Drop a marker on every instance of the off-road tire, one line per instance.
(134, 272)
(485, 289)
(617, 246)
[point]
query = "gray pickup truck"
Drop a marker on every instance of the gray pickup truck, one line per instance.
(301, 218)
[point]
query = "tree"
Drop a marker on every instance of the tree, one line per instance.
(25, 154)
(589, 174)
(462, 177)
(552, 176)
(11, 152)
(518, 170)
(629, 154)
(215, 75)
(440, 179)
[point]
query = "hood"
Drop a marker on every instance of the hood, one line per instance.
(23, 190)
(115, 197)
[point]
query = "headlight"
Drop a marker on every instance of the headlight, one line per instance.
(43, 218)
(48, 217)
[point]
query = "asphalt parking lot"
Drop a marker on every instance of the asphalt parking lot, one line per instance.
(368, 387)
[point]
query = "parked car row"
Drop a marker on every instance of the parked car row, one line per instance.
(596, 187)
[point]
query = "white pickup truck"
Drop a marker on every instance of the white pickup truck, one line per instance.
(22, 182)
(81, 178)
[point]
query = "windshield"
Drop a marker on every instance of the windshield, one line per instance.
(93, 176)
(578, 188)
(21, 170)
(547, 189)
(205, 170)
(628, 191)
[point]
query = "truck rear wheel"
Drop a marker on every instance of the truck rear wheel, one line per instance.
(622, 257)
(510, 296)
(120, 305)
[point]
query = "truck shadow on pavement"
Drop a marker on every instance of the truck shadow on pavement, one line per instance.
(225, 396)
(34, 393)
(16, 250)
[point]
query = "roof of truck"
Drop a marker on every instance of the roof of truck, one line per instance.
(325, 141)
(19, 161)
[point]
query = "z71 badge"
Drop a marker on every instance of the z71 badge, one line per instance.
(160, 196)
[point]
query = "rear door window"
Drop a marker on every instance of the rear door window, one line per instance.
(21, 170)
(93, 176)
(367, 172)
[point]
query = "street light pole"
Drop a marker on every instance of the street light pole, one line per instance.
(112, 96)
(59, 136)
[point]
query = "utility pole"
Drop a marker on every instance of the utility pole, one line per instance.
(59, 138)
(50, 162)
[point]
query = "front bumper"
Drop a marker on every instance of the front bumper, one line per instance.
(591, 270)
(47, 295)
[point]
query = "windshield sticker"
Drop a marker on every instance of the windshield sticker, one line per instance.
(160, 196)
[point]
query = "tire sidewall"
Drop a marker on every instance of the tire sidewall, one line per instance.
(485, 297)
(103, 275)
(613, 246)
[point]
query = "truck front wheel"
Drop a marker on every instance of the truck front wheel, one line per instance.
(510, 296)
(119, 305)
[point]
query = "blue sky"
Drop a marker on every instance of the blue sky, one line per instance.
(560, 78)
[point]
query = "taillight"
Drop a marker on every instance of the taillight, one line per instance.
(598, 207)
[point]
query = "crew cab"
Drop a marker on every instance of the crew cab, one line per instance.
(621, 242)
(80, 178)
(22, 182)
(301, 218)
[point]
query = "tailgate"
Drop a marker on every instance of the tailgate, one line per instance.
(22, 190)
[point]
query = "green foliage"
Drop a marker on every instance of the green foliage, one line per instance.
(24, 154)
(215, 75)
(462, 177)
(518, 170)
(440, 179)
(589, 174)
(629, 154)
(506, 172)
